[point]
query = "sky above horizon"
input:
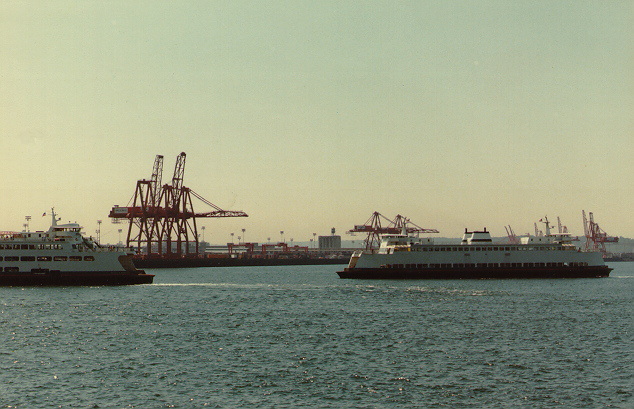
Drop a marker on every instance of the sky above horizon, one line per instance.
(312, 115)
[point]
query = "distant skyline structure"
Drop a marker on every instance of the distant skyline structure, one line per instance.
(310, 115)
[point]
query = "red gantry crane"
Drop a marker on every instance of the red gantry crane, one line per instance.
(163, 215)
(373, 227)
(595, 236)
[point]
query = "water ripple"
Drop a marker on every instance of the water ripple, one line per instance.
(264, 338)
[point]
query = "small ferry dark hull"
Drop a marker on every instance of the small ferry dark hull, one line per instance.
(476, 273)
(56, 278)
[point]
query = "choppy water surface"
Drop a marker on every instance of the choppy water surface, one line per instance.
(298, 336)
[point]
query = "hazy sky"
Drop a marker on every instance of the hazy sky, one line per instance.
(313, 114)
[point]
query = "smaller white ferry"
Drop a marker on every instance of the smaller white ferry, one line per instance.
(63, 256)
(401, 256)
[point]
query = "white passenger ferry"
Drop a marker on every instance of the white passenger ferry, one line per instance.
(405, 257)
(63, 256)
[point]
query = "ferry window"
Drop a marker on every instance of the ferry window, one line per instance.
(89, 258)
(60, 258)
(75, 258)
(27, 258)
(24, 246)
(11, 269)
(12, 258)
(0, 258)
(31, 246)
(495, 249)
(44, 258)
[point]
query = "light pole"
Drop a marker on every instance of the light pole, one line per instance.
(282, 235)
(26, 225)
(119, 230)
(244, 238)
(231, 238)
(99, 231)
(315, 239)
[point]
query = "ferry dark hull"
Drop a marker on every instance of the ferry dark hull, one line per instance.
(77, 278)
(475, 273)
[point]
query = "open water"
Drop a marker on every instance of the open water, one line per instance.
(298, 336)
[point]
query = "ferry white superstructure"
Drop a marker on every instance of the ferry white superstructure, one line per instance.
(63, 256)
(549, 256)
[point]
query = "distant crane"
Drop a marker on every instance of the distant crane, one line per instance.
(564, 229)
(374, 228)
(595, 236)
(513, 239)
(163, 214)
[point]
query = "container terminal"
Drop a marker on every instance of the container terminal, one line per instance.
(162, 230)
